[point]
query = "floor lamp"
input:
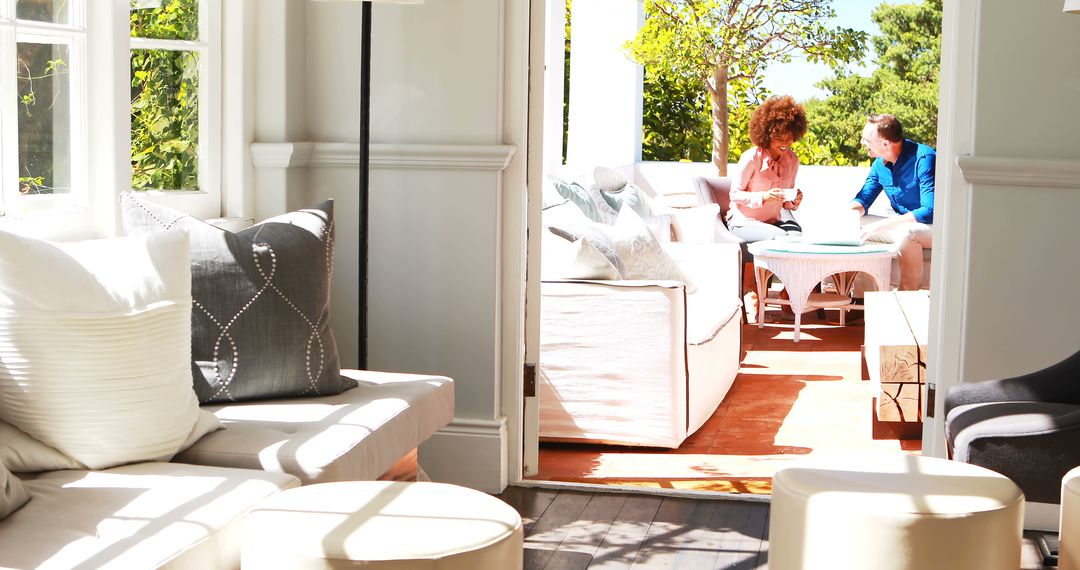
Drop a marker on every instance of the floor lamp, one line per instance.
(365, 152)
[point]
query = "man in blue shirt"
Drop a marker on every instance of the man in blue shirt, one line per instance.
(905, 171)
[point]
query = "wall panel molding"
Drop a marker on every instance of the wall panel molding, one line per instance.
(389, 156)
(1022, 172)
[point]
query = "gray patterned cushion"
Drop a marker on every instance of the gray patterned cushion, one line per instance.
(260, 321)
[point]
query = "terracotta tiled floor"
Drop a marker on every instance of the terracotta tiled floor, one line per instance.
(789, 400)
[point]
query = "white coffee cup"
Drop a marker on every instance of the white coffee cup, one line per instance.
(790, 194)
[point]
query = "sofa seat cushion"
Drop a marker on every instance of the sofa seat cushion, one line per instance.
(135, 516)
(715, 268)
(355, 435)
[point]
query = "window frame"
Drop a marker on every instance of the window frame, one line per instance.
(99, 155)
(74, 35)
(207, 200)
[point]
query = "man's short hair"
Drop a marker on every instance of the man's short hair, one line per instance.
(888, 127)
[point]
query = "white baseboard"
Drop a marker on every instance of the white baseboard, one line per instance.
(1042, 516)
(468, 452)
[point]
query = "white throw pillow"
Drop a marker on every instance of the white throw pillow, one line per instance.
(562, 259)
(12, 493)
(95, 348)
(644, 257)
(698, 224)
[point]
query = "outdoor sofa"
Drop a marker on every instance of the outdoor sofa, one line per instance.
(644, 360)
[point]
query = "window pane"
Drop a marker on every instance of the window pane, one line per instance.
(165, 19)
(44, 119)
(164, 119)
(54, 11)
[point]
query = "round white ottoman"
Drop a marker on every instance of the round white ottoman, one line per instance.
(382, 525)
(1069, 546)
(894, 512)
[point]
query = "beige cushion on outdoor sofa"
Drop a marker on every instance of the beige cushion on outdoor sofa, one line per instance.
(145, 515)
(355, 435)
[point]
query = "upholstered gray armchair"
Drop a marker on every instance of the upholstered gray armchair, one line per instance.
(1026, 428)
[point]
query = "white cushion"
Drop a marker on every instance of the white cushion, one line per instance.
(894, 512)
(381, 525)
(561, 259)
(95, 341)
(12, 493)
(135, 516)
(357, 434)
(642, 253)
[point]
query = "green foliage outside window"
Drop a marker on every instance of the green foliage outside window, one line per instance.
(164, 99)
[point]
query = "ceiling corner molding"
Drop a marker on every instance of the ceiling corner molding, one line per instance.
(281, 155)
(1022, 172)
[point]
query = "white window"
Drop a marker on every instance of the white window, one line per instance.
(175, 102)
(50, 91)
(42, 114)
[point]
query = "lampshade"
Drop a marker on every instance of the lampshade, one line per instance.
(1072, 6)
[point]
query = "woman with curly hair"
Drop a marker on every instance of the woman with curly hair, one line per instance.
(759, 208)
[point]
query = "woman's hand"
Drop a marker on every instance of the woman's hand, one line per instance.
(794, 204)
(774, 195)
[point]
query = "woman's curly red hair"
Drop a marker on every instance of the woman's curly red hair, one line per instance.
(778, 115)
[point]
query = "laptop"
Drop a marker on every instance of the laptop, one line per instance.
(841, 227)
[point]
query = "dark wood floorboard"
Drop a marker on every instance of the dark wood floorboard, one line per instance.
(572, 530)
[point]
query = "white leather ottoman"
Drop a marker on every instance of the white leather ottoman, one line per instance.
(894, 512)
(1069, 548)
(382, 525)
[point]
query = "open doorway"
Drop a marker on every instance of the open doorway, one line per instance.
(785, 400)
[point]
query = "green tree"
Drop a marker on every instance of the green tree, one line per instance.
(723, 45)
(907, 53)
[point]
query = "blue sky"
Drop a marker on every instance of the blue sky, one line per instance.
(797, 78)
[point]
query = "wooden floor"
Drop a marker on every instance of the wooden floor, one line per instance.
(570, 530)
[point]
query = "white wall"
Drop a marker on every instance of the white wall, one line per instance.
(1008, 178)
(443, 140)
(1020, 314)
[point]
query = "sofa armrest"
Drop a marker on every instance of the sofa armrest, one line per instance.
(1055, 383)
(714, 268)
(701, 224)
(1032, 443)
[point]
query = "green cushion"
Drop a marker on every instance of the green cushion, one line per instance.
(589, 202)
(617, 191)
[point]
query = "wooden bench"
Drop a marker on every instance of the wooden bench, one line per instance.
(895, 352)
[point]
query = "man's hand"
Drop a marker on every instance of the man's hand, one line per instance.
(858, 207)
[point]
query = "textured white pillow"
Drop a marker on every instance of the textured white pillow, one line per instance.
(12, 493)
(95, 347)
(562, 259)
(644, 257)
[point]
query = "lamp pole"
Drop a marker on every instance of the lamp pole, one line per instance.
(365, 151)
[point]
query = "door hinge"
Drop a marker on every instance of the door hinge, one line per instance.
(931, 393)
(529, 380)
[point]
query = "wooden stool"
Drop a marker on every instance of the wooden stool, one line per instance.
(894, 512)
(382, 525)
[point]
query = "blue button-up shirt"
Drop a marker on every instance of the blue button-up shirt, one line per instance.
(908, 182)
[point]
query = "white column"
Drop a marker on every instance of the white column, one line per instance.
(605, 85)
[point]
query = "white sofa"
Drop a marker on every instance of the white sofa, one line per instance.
(640, 363)
(188, 513)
